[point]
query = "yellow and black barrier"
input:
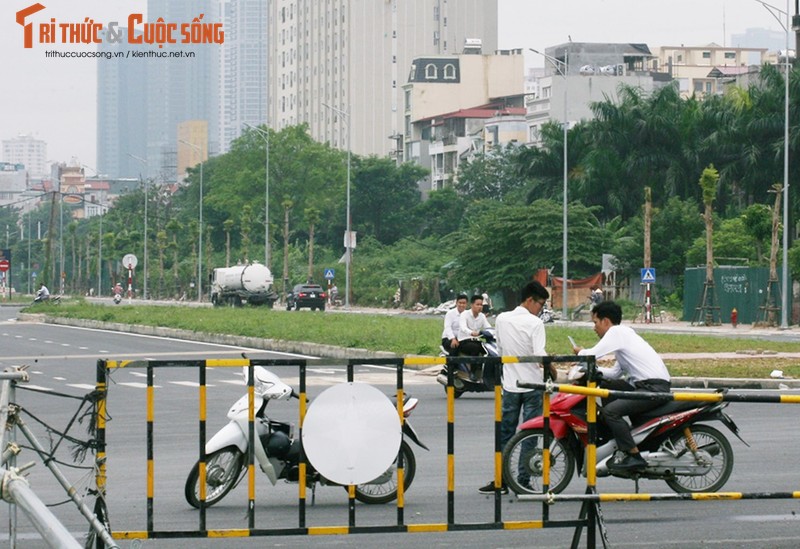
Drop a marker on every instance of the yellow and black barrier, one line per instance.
(104, 367)
(588, 517)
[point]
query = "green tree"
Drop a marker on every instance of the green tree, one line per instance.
(384, 197)
(501, 246)
(493, 175)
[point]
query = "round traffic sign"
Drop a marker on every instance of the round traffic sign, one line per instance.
(4, 265)
(129, 261)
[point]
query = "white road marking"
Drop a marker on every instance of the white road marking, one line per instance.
(137, 385)
(190, 383)
(162, 338)
(81, 386)
(59, 378)
(39, 387)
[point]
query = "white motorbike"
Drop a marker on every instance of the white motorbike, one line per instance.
(277, 452)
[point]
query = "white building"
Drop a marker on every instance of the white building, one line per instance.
(30, 152)
(353, 55)
(458, 105)
(691, 66)
(578, 74)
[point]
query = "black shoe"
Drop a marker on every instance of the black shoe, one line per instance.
(489, 489)
(631, 462)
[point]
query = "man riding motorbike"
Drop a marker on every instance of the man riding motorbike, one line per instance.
(42, 295)
(643, 370)
(451, 320)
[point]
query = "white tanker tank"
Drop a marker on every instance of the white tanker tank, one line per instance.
(251, 283)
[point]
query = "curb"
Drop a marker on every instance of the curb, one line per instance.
(332, 351)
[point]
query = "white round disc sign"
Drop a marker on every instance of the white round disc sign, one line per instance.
(129, 261)
(351, 433)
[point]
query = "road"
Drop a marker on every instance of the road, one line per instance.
(62, 360)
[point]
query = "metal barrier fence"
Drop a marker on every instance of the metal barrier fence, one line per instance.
(589, 517)
(400, 524)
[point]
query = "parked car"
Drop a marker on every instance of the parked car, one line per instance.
(306, 295)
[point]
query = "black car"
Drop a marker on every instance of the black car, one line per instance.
(306, 295)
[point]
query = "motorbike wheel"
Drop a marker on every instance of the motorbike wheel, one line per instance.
(224, 468)
(714, 443)
(384, 488)
(522, 457)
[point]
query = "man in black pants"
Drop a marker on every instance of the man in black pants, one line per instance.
(643, 370)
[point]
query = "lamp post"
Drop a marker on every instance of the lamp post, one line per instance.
(265, 136)
(143, 161)
(775, 12)
(348, 232)
(561, 67)
(200, 231)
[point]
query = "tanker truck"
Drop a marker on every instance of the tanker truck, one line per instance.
(251, 283)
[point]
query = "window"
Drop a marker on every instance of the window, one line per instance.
(730, 55)
(431, 72)
(449, 72)
(706, 55)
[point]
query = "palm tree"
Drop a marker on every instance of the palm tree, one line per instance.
(227, 226)
(287, 204)
(312, 218)
(246, 224)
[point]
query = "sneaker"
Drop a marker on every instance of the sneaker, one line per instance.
(631, 462)
(489, 489)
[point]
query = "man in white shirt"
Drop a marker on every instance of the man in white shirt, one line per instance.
(451, 324)
(470, 324)
(521, 333)
(643, 370)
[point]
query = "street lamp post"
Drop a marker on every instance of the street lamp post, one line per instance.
(145, 182)
(562, 67)
(775, 12)
(200, 231)
(265, 136)
(348, 233)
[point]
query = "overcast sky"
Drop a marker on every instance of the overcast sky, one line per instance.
(54, 99)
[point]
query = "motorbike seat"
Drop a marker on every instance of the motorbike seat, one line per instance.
(671, 407)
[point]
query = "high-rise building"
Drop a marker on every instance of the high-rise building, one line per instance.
(180, 89)
(342, 63)
(121, 112)
(143, 99)
(26, 150)
(243, 82)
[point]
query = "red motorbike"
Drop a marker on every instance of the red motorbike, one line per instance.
(687, 454)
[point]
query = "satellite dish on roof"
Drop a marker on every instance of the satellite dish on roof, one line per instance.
(351, 433)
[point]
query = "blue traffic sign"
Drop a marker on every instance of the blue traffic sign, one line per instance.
(648, 275)
(329, 274)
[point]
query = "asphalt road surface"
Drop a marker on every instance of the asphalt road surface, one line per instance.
(63, 360)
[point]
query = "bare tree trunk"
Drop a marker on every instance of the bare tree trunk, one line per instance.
(648, 216)
(311, 251)
(776, 223)
(708, 217)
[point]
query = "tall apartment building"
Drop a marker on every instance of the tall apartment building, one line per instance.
(121, 112)
(180, 89)
(25, 149)
(342, 63)
(244, 69)
(142, 101)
